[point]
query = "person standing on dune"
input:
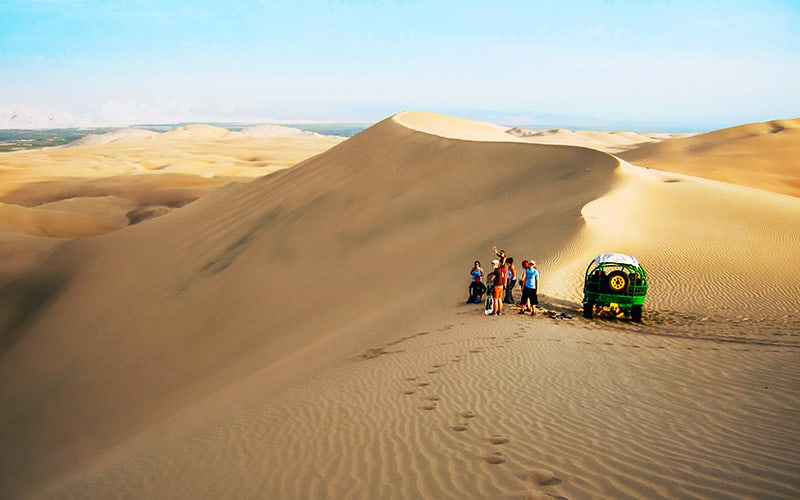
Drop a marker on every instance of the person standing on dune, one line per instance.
(510, 274)
(511, 278)
(501, 255)
(497, 278)
(530, 288)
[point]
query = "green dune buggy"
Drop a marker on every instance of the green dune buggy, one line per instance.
(614, 282)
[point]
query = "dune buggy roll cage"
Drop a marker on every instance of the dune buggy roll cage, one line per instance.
(615, 279)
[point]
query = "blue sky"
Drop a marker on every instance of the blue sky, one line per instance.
(712, 63)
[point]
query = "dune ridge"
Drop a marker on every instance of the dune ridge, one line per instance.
(196, 355)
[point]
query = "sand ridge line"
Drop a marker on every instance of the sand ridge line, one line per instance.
(387, 220)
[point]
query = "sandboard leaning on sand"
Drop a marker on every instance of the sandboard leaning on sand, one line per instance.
(489, 308)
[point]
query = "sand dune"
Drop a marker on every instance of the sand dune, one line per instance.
(760, 155)
(610, 142)
(116, 136)
(150, 172)
(103, 183)
(303, 335)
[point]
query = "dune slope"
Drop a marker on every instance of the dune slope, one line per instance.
(317, 259)
(304, 335)
(760, 155)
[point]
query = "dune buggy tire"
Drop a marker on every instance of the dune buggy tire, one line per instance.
(588, 310)
(617, 281)
(636, 313)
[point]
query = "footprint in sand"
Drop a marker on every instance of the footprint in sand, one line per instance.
(468, 414)
(433, 397)
(409, 393)
(429, 406)
(534, 495)
(498, 439)
(540, 477)
(423, 384)
(494, 458)
(459, 427)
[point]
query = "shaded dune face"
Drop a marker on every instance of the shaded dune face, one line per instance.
(288, 273)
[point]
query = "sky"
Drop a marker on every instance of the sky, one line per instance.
(702, 62)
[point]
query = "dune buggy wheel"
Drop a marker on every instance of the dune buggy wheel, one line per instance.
(588, 310)
(636, 313)
(617, 281)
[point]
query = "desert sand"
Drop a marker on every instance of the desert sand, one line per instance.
(760, 155)
(102, 183)
(304, 334)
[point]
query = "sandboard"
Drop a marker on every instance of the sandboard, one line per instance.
(487, 310)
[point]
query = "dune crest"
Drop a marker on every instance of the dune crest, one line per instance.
(452, 127)
(291, 336)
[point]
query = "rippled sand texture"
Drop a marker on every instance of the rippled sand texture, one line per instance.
(511, 409)
(304, 335)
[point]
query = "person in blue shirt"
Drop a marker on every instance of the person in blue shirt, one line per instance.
(476, 286)
(530, 287)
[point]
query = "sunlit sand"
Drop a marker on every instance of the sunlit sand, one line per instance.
(303, 334)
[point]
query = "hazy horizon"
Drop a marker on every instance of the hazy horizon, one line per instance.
(67, 133)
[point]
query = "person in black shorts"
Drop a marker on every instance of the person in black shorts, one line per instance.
(530, 287)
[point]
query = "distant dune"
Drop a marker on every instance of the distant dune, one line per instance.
(304, 335)
(759, 155)
(611, 142)
(103, 183)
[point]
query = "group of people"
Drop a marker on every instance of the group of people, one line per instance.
(500, 283)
